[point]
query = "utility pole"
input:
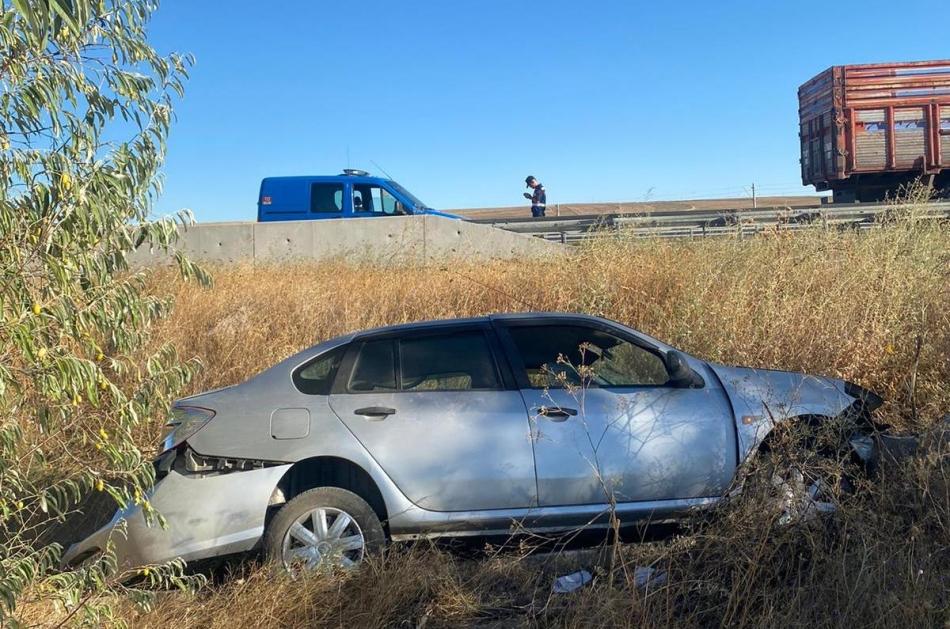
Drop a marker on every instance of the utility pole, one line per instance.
(753, 196)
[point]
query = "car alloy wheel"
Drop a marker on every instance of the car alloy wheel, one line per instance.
(323, 528)
(324, 536)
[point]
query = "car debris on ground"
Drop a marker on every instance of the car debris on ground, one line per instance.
(571, 582)
(644, 577)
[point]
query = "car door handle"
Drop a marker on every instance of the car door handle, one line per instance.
(557, 413)
(375, 412)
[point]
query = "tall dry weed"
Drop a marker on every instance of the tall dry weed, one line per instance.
(841, 303)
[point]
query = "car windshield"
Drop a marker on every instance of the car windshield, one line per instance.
(416, 203)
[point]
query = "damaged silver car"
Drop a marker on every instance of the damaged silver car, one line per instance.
(457, 427)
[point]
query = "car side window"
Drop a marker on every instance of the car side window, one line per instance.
(326, 197)
(374, 368)
(557, 356)
(458, 361)
(316, 377)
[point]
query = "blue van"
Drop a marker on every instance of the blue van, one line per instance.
(352, 194)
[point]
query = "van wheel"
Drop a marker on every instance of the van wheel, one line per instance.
(323, 528)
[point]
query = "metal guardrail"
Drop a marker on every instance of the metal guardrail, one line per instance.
(700, 224)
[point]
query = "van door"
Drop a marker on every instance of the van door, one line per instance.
(374, 200)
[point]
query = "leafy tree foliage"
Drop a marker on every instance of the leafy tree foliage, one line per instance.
(85, 109)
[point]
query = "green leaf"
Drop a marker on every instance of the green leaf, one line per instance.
(63, 9)
(23, 8)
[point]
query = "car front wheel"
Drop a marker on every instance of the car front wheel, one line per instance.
(323, 528)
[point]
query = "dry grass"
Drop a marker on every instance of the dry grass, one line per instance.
(849, 305)
(881, 562)
(852, 305)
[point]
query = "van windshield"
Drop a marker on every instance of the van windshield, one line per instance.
(416, 203)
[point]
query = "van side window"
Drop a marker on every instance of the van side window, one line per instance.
(326, 197)
(373, 200)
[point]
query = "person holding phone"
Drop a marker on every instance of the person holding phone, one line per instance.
(538, 197)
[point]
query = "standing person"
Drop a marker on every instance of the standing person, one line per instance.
(539, 198)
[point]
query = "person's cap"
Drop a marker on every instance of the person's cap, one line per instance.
(529, 179)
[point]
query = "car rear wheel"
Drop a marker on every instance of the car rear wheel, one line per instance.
(323, 528)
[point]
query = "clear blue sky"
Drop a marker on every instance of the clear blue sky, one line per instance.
(460, 100)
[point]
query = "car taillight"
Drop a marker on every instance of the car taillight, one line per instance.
(185, 422)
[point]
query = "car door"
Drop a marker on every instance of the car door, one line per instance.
(605, 423)
(433, 408)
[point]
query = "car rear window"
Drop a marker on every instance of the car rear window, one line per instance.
(375, 368)
(453, 361)
(458, 361)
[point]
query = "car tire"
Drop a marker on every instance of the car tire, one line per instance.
(319, 529)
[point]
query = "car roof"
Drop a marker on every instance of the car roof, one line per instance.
(519, 316)
(506, 316)
(309, 353)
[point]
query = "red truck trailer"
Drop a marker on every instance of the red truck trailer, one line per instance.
(867, 129)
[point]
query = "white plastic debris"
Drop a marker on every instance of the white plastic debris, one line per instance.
(571, 582)
(800, 503)
(645, 576)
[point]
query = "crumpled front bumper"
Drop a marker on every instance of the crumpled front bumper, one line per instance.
(877, 450)
(206, 515)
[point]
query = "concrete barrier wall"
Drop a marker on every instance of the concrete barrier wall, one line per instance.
(378, 240)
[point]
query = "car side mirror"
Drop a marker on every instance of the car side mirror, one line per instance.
(681, 374)
(400, 209)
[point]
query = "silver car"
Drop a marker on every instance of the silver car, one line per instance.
(457, 427)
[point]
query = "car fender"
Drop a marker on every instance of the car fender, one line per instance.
(761, 399)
